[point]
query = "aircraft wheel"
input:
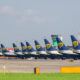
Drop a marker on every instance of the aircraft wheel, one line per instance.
(35, 57)
(52, 58)
(75, 58)
(63, 58)
(45, 58)
(23, 58)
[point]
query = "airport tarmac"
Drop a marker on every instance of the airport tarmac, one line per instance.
(27, 66)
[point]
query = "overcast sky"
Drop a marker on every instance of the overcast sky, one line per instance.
(37, 19)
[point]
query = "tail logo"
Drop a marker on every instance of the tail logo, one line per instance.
(48, 46)
(23, 47)
(15, 48)
(3, 49)
(60, 44)
(75, 43)
(38, 46)
(29, 47)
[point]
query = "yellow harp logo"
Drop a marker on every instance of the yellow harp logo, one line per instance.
(15, 48)
(60, 44)
(75, 43)
(23, 47)
(29, 47)
(48, 46)
(3, 49)
(38, 46)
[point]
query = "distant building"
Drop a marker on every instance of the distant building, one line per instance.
(54, 41)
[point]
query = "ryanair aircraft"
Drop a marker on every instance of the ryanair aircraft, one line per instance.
(67, 53)
(51, 50)
(76, 45)
(31, 51)
(1, 54)
(25, 50)
(40, 50)
(18, 52)
(7, 53)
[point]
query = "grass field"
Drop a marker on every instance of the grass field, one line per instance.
(42, 76)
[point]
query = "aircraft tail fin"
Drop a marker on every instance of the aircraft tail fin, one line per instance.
(3, 49)
(24, 49)
(75, 43)
(61, 45)
(49, 47)
(29, 47)
(16, 49)
(38, 46)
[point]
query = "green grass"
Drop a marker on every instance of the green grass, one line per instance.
(42, 76)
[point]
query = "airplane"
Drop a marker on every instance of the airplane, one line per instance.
(7, 53)
(25, 50)
(67, 53)
(1, 54)
(31, 51)
(40, 50)
(75, 44)
(18, 52)
(51, 50)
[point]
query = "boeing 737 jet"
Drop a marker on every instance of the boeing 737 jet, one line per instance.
(18, 52)
(51, 50)
(7, 53)
(65, 50)
(31, 51)
(40, 50)
(25, 50)
(76, 45)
